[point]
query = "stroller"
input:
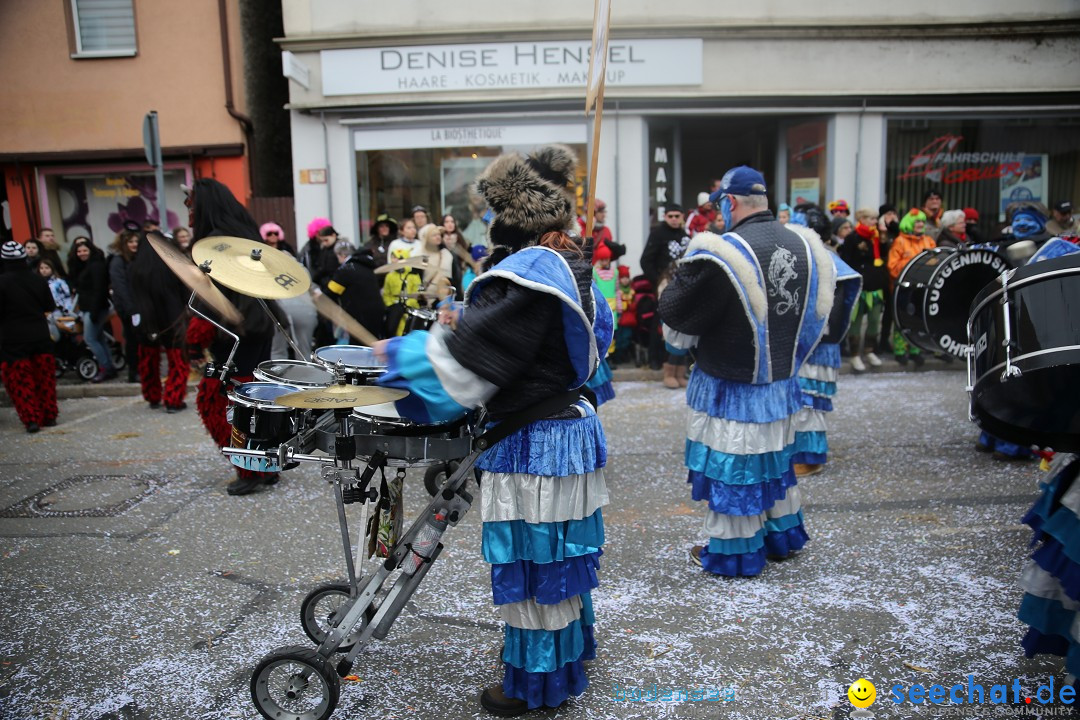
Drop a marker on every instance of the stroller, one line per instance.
(72, 352)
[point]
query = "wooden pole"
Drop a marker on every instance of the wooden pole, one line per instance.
(594, 161)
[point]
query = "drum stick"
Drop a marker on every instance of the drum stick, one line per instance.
(336, 314)
(462, 253)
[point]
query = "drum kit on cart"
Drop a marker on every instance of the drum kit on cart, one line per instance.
(330, 413)
(1017, 328)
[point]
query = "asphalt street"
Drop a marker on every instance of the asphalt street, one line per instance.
(134, 588)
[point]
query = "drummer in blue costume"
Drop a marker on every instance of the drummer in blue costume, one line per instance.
(754, 303)
(818, 375)
(533, 328)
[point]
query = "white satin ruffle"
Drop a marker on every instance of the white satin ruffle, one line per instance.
(528, 615)
(1038, 582)
(807, 419)
(541, 498)
(739, 438)
(819, 372)
(678, 339)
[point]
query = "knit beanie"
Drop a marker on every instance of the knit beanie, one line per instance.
(12, 250)
(907, 223)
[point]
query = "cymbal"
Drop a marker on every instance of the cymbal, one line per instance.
(337, 315)
(195, 279)
(429, 294)
(416, 261)
(341, 396)
(252, 268)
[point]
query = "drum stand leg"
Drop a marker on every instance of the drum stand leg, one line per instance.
(453, 502)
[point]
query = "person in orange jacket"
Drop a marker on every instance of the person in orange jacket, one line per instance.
(910, 243)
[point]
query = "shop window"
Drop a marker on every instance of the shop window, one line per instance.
(439, 179)
(983, 163)
(103, 28)
(806, 145)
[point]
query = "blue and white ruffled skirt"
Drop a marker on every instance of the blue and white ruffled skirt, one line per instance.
(600, 383)
(541, 495)
(817, 379)
(740, 441)
(1051, 580)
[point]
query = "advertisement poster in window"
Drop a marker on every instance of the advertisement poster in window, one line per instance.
(805, 190)
(1028, 184)
(98, 206)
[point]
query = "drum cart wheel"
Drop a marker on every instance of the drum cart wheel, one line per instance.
(294, 683)
(436, 475)
(318, 610)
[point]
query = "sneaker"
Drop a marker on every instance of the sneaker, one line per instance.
(873, 359)
(32, 427)
(243, 486)
(178, 408)
(918, 360)
(695, 554)
(902, 359)
(494, 700)
(857, 364)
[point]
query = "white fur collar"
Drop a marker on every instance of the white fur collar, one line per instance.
(744, 272)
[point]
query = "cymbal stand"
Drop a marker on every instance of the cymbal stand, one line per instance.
(212, 368)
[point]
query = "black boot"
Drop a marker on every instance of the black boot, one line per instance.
(494, 700)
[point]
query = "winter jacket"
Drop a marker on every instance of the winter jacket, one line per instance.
(356, 288)
(664, 246)
(120, 282)
(858, 252)
(24, 301)
(903, 249)
(94, 286)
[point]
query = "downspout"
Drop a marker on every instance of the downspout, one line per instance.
(244, 120)
(858, 156)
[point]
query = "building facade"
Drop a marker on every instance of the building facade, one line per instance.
(404, 104)
(82, 75)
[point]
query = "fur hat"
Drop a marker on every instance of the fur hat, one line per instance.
(270, 227)
(530, 195)
(428, 230)
(315, 226)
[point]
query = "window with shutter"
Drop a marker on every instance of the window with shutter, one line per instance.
(103, 28)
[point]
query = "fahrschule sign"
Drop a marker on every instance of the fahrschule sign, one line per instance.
(507, 66)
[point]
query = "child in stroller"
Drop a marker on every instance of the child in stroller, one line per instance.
(66, 329)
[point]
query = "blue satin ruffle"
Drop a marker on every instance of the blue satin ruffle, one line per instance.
(408, 368)
(809, 458)
(733, 469)
(817, 402)
(507, 541)
(746, 565)
(1051, 557)
(1036, 643)
(600, 384)
(604, 393)
(737, 546)
(817, 387)
(551, 689)
(547, 583)
(827, 354)
(550, 447)
(1064, 527)
(781, 543)
(542, 651)
(740, 499)
(1050, 618)
(743, 402)
(812, 441)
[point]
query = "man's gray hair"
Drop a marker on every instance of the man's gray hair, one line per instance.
(343, 247)
(753, 202)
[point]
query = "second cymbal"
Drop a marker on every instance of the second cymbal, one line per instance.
(252, 268)
(409, 263)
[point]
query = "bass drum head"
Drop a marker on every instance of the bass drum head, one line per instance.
(909, 296)
(297, 373)
(1041, 405)
(956, 282)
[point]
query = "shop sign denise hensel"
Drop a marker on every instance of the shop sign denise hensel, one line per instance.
(507, 66)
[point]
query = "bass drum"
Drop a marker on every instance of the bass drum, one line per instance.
(1024, 372)
(934, 293)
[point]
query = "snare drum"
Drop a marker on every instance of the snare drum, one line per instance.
(420, 318)
(1024, 372)
(934, 293)
(258, 423)
(405, 442)
(358, 363)
(298, 374)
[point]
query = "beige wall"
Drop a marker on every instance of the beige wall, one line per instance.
(52, 103)
(344, 17)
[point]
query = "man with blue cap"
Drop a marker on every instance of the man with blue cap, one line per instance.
(752, 303)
